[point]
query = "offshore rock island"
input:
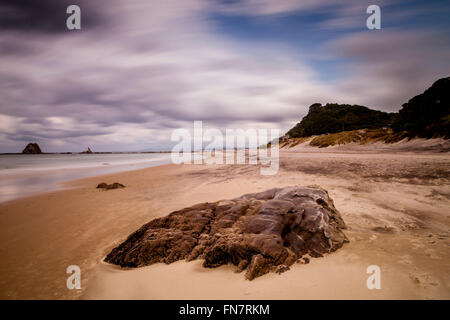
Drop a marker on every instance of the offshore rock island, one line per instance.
(259, 232)
(32, 148)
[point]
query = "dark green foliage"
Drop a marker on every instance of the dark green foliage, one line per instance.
(427, 115)
(333, 118)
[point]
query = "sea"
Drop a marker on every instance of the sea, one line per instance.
(27, 174)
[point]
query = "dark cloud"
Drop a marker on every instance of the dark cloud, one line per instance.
(11, 47)
(45, 15)
(145, 68)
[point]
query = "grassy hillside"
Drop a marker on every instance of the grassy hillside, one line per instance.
(361, 136)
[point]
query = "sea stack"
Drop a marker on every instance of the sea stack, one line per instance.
(32, 148)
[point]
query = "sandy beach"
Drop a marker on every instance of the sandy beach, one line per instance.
(241, 150)
(395, 205)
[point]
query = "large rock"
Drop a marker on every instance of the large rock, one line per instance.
(260, 232)
(32, 148)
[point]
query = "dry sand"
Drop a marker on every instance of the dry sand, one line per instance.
(434, 145)
(396, 206)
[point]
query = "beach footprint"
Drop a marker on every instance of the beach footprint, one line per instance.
(424, 280)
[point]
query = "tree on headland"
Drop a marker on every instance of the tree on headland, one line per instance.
(426, 115)
(333, 117)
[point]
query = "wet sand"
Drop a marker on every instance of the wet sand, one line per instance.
(30, 174)
(396, 207)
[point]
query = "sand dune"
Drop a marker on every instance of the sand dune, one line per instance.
(405, 145)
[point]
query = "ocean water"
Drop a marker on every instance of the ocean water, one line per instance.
(23, 175)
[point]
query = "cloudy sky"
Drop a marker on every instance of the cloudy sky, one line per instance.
(139, 69)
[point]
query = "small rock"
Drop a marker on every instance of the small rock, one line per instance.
(115, 185)
(304, 260)
(106, 186)
(281, 268)
(242, 265)
(257, 267)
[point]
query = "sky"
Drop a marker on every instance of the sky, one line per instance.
(139, 69)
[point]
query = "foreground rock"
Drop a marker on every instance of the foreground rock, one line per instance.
(259, 232)
(32, 148)
(106, 186)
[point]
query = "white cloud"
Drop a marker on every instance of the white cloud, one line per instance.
(391, 66)
(159, 65)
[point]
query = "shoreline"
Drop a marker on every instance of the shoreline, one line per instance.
(60, 184)
(72, 152)
(43, 234)
(20, 182)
